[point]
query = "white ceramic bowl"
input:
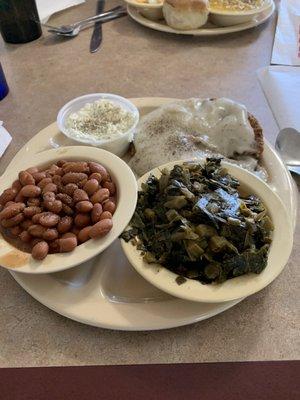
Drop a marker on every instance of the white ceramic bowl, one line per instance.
(16, 260)
(238, 287)
(230, 18)
(119, 145)
(153, 12)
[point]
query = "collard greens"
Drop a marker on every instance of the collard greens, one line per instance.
(194, 222)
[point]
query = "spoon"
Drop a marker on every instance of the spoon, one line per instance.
(288, 146)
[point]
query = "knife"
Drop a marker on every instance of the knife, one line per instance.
(96, 38)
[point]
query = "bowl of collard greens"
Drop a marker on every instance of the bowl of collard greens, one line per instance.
(207, 231)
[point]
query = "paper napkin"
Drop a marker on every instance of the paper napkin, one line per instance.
(48, 7)
(286, 49)
(281, 86)
(5, 139)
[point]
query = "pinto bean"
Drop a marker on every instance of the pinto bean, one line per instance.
(100, 196)
(50, 187)
(26, 224)
(96, 213)
(54, 206)
(33, 202)
(50, 234)
(70, 188)
(11, 210)
(67, 244)
(110, 186)
(38, 176)
(17, 185)
(84, 206)
(40, 250)
(96, 167)
(105, 215)
(65, 224)
(80, 195)
(82, 220)
(76, 167)
(36, 218)
(36, 230)
(26, 178)
(65, 198)
(101, 228)
(67, 210)
(91, 186)
(29, 212)
(16, 220)
(32, 170)
(73, 177)
(8, 195)
(49, 219)
(25, 237)
(84, 234)
(109, 206)
(44, 182)
(30, 191)
(95, 175)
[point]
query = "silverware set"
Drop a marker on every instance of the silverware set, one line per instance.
(73, 30)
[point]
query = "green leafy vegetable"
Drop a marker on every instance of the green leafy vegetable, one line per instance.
(193, 221)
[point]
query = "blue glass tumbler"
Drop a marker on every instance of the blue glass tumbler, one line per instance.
(3, 84)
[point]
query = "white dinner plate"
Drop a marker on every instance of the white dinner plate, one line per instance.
(106, 291)
(208, 30)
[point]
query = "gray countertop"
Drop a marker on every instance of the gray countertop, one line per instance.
(138, 62)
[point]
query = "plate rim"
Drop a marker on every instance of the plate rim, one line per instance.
(140, 102)
(137, 17)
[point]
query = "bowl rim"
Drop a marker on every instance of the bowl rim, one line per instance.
(235, 288)
(233, 13)
(144, 5)
(126, 188)
(60, 119)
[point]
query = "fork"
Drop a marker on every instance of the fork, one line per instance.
(69, 29)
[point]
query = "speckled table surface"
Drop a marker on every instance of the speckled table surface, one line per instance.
(137, 62)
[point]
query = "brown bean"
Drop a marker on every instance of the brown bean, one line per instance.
(110, 186)
(16, 220)
(44, 182)
(73, 177)
(100, 196)
(27, 223)
(84, 234)
(75, 230)
(38, 176)
(82, 220)
(80, 195)
(109, 206)
(101, 228)
(26, 178)
(35, 241)
(105, 215)
(65, 198)
(65, 224)
(81, 184)
(36, 230)
(96, 212)
(9, 203)
(55, 170)
(29, 212)
(84, 206)
(32, 170)
(96, 176)
(57, 180)
(8, 195)
(50, 187)
(50, 234)
(15, 231)
(67, 210)
(30, 191)
(74, 166)
(49, 219)
(36, 218)
(19, 198)
(54, 206)
(33, 202)
(60, 163)
(17, 185)
(68, 234)
(91, 186)
(67, 244)
(70, 188)
(49, 196)
(25, 237)
(96, 167)
(40, 250)
(11, 210)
